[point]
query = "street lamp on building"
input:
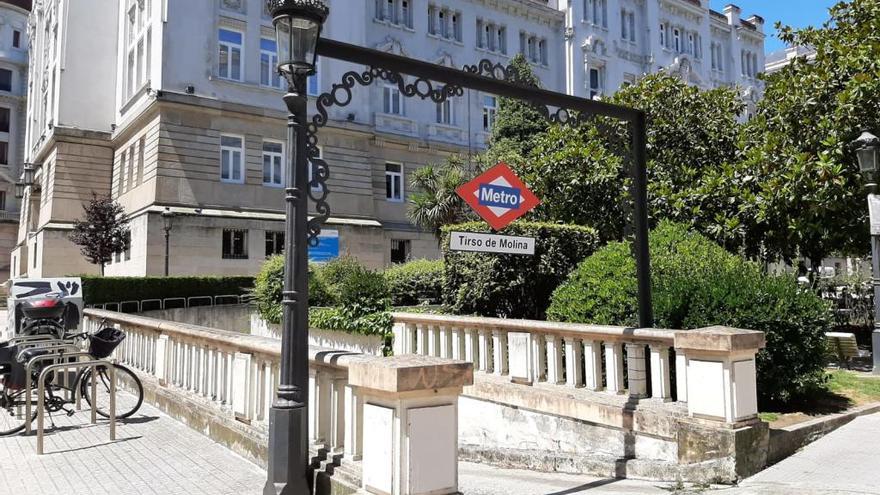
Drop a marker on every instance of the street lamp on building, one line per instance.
(868, 152)
(167, 223)
(298, 25)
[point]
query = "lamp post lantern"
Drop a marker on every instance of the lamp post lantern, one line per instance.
(868, 152)
(167, 222)
(298, 25)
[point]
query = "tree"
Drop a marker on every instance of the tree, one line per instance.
(517, 122)
(582, 175)
(435, 202)
(808, 200)
(103, 233)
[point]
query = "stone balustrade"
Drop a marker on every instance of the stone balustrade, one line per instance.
(238, 375)
(714, 366)
(567, 355)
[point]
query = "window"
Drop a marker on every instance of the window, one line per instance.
(433, 26)
(600, 13)
(482, 34)
(231, 156)
(127, 252)
(662, 34)
(400, 250)
(542, 51)
(624, 33)
(396, 12)
(676, 37)
(501, 46)
(629, 80)
(3, 200)
(631, 19)
(4, 119)
(4, 153)
(392, 100)
(597, 84)
(269, 63)
(391, 11)
(533, 52)
(273, 163)
(691, 46)
(456, 26)
(394, 182)
(490, 108)
(444, 113)
(406, 14)
(5, 80)
(235, 244)
(313, 85)
(138, 41)
(230, 54)
(522, 42)
(274, 243)
(16, 38)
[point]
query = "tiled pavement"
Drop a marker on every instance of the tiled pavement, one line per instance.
(153, 454)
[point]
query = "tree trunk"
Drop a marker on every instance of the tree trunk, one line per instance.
(102, 269)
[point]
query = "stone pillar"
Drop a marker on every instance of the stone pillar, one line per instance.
(411, 407)
(721, 373)
(241, 384)
(422, 341)
(471, 348)
(573, 362)
(484, 356)
(614, 367)
(433, 340)
(636, 370)
(457, 344)
(539, 356)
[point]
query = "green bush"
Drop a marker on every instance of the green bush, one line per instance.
(100, 290)
(362, 293)
(269, 285)
(697, 284)
(416, 282)
(513, 286)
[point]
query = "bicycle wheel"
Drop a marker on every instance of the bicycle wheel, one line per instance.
(12, 411)
(129, 391)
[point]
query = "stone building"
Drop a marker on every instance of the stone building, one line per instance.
(13, 78)
(174, 106)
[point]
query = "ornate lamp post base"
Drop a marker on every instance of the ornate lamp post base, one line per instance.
(287, 445)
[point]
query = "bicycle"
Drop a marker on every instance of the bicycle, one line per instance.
(58, 394)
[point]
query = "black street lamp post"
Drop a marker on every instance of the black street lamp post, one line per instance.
(868, 153)
(298, 25)
(167, 221)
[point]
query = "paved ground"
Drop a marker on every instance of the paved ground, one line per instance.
(844, 462)
(153, 454)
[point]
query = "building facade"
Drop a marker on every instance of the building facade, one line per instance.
(779, 59)
(171, 115)
(611, 43)
(13, 108)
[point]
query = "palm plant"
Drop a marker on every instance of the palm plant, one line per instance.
(435, 202)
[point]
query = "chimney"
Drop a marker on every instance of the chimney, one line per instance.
(758, 21)
(732, 13)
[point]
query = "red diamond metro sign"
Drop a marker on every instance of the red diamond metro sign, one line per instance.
(498, 196)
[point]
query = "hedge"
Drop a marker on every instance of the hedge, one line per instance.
(415, 282)
(100, 290)
(513, 286)
(697, 284)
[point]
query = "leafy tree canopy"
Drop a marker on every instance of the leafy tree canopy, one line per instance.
(104, 231)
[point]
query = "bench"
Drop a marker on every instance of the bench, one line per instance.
(843, 345)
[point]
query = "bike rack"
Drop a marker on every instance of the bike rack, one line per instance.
(28, 385)
(93, 364)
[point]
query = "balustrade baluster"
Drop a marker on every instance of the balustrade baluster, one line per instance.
(636, 370)
(660, 388)
(422, 339)
(445, 342)
(554, 360)
(484, 356)
(337, 414)
(457, 344)
(681, 382)
(471, 348)
(573, 362)
(354, 417)
(539, 356)
(499, 348)
(614, 367)
(593, 364)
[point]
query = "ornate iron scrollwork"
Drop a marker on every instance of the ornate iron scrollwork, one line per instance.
(340, 95)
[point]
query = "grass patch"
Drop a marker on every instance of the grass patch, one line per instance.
(769, 417)
(859, 389)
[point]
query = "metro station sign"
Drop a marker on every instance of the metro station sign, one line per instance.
(498, 196)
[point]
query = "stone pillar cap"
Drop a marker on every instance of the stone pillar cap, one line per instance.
(719, 339)
(409, 373)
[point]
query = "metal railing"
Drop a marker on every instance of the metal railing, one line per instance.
(139, 306)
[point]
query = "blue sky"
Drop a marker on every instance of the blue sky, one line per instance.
(797, 13)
